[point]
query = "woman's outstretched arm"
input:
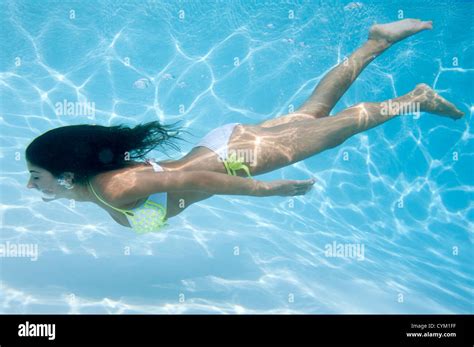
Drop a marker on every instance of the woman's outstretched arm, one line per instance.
(144, 184)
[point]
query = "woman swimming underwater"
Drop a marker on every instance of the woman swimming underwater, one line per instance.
(107, 165)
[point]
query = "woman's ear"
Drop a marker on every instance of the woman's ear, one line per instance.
(66, 179)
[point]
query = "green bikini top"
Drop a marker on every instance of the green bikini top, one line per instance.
(148, 217)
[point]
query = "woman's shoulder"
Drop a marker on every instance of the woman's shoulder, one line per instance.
(116, 186)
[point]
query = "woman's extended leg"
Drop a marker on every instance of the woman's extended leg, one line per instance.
(289, 143)
(336, 82)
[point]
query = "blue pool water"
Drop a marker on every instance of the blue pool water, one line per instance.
(403, 191)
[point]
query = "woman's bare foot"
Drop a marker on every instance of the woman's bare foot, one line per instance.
(431, 102)
(396, 31)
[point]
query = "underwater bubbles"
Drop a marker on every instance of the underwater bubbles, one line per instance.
(142, 83)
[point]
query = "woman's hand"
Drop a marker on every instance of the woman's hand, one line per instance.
(288, 187)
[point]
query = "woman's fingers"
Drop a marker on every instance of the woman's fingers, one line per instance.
(306, 182)
(302, 188)
(291, 187)
(307, 185)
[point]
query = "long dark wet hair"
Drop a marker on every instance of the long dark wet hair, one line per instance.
(87, 150)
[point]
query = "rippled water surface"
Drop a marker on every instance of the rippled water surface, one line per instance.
(403, 191)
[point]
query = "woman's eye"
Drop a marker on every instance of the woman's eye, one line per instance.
(36, 178)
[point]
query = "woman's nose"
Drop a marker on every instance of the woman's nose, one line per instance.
(30, 185)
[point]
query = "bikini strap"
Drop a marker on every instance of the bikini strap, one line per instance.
(232, 164)
(125, 212)
(155, 165)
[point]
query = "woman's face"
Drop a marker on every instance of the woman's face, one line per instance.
(45, 182)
